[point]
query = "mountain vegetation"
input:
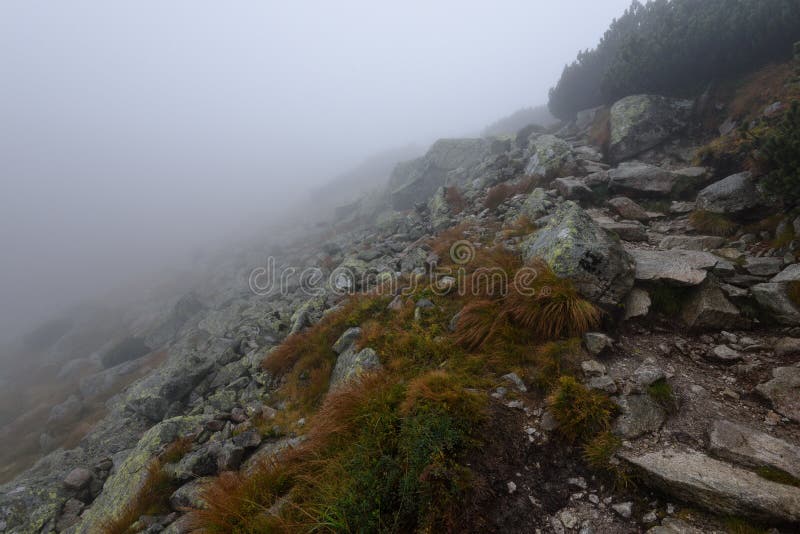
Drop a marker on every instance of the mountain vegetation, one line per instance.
(676, 48)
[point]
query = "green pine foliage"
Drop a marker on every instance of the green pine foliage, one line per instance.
(779, 152)
(677, 47)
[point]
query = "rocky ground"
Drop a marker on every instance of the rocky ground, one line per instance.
(713, 318)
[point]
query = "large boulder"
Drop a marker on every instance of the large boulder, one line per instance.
(774, 299)
(717, 486)
(709, 308)
(641, 180)
(642, 122)
(577, 248)
(736, 195)
(752, 448)
(550, 155)
(122, 486)
(418, 181)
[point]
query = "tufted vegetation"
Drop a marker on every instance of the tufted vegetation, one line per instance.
(389, 451)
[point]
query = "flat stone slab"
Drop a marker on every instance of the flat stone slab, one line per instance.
(752, 448)
(717, 486)
(677, 267)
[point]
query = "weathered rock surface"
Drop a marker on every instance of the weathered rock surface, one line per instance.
(677, 267)
(774, 298)
(551, 155)
(717, 486)
(419, 180)
(639, 415)
(709, 308)
(628, 209)
(351, 364)
(122, 485)
(642, 122)
(735, 195)
(575, 247)
(641, 180)
(691, 242)
(783, 391)
(748, 447)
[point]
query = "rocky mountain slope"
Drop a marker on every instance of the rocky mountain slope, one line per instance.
(694, 351)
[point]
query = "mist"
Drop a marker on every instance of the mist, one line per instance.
(132, 133)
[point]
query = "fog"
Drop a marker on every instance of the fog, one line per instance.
(134, 132)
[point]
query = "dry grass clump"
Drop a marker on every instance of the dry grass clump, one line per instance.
(503, 191)
(712, 223)
(305, 359)
(455, 199)
(521, 227)
(536, 302)
(581, 413)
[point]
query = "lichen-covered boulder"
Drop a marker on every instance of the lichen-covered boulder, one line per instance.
(576, 247)
(537, 205)
(353, 363)
(550, 155)
(642, 122)
(122, 486)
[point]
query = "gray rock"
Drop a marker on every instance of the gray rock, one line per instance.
(247, 440)
(346, 340)
(640, 414)
(735, 195)
(551, 155)
(536, 206)
(748, 447)
(642, 122)
(789, 274)
(189, 496)
(648, 373)
(783, 391)
(70, 514)
(765, 266)
(65, 412)
(602, 383)
(423, 177)
(641, 180)
(631, 231)
(351, 364)
(78, 479)
(151, 407)
(573, 189)
(516, 381)
(593, 368)
(717, 486)
(724, 354)
(774, 298)
(787, 346)
(624, 509)
(628, 209)
(676, 267)
(637, 304)
(575, 247)
(709, 309)
(596, 342)
(691, 242)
